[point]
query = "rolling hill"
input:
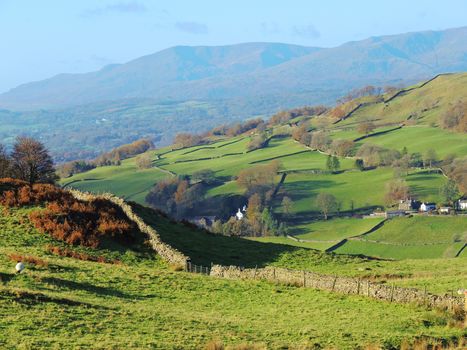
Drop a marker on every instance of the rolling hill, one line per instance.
(193, 89)
(305, 175)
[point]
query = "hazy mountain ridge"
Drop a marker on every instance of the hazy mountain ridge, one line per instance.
(223, 72)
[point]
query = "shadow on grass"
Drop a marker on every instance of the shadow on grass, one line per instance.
(31, 299)
(205, 248)
(87, 287)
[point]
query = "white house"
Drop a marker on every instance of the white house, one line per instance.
(239, 214)
(427, 207)
(445, 210)
(462, 204)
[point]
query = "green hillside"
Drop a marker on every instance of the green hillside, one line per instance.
(305, 169)
(139, 303)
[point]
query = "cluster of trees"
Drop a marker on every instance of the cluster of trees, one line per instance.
(175, 196)
(183, 140)
(74, 167)
(258, 141)
(368, 90)
(259, 179)
(396, 189)
(29, 161)
(239, 128)
(259, 221)
(114, 157)
(316, 139)
(455, 117)
(282, 117)
(372, 155)
(456, 170)
(258, 185)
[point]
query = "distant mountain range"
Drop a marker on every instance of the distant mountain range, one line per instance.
(253, 70)
(192, 89)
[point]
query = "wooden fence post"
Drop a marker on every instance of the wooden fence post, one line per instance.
(334, 283)
(358, 286)
(304, 278)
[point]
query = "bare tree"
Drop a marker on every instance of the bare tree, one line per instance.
(287, 205)
(327, 203)
(144, 161)
(32, 162)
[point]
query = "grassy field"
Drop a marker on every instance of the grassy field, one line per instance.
(417, 237)
(420, 139)
(125, 180)
(422, 230)
(139, 303)
(437, 275)
(366, 189)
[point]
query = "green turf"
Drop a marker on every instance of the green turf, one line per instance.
(337, 229)
(420, 139)
(390, 251)
(422, 230)
(137, 304)
(365, 189)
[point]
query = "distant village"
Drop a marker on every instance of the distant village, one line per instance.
(411, 206)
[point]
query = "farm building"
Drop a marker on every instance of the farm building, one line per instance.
(445, 210)
(425, 207)
(409, 204)
(462, 204)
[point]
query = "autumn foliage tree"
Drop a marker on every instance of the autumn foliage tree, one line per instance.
(396, 190)
(366, 128)
(31, 161)
(455, 117)
(258, 179)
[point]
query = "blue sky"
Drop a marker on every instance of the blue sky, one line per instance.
(41, 38)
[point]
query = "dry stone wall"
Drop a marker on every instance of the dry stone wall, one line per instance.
(345, 285)
(171, 255)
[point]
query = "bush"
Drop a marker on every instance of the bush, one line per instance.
(66, 218)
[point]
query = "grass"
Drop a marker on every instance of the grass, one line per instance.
(417, 237)
(420, 138)
(440, 275)
(125, 180)
(366, 189)
(422, 230)
(338, 229)
(141, 304)
(387, 251)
